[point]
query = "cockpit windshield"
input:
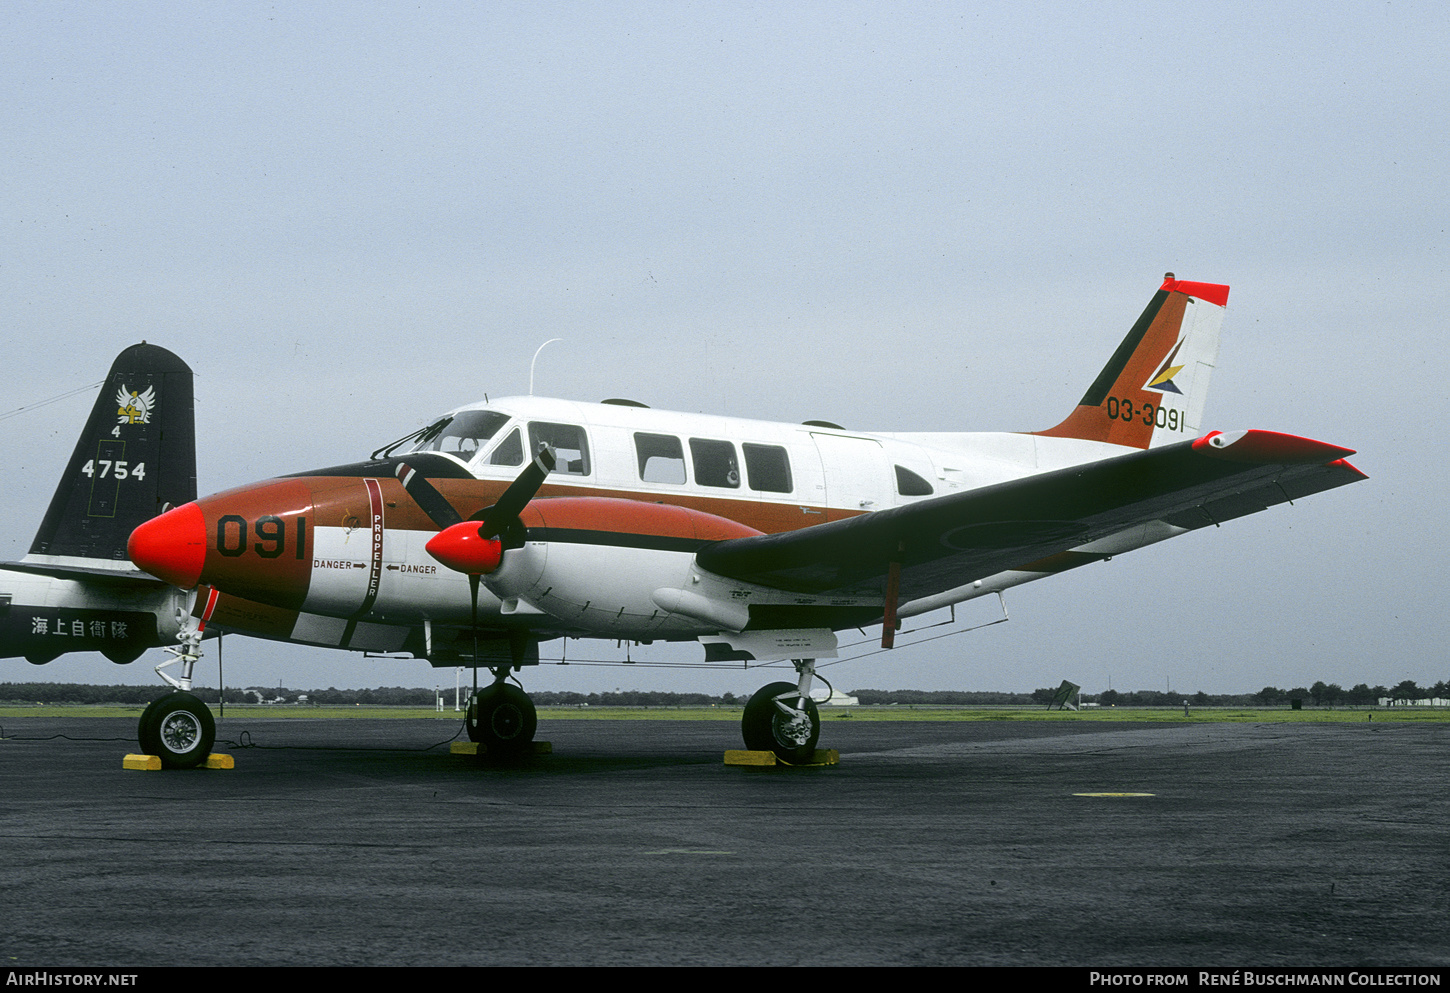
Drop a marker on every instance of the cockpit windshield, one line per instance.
(461, 434)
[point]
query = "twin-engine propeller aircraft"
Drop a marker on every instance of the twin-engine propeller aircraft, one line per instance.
(506, 523)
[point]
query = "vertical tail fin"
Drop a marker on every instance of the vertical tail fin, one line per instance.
(1153, 389)
(135, 458)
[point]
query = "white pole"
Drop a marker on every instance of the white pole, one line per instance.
(536, 359)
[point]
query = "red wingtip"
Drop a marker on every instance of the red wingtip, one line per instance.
(1268, 447)
(171, 547)
(1215, 293)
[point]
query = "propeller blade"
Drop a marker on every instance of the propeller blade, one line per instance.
(498, 517)
(427, 497)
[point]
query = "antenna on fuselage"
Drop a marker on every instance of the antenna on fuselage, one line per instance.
(536, 359)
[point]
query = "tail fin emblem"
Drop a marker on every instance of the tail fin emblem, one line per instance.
(1162, 380)
(134, 407)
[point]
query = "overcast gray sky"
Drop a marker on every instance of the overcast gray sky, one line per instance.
(350, 217)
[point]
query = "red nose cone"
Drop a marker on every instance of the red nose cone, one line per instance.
(462, 550)
(171, 547)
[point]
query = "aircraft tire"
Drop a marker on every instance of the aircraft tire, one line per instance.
(766, 729)
(179, 729)
(502, 718)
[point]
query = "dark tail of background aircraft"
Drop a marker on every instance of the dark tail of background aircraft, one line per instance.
(135, 459)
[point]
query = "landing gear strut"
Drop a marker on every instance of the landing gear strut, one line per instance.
(782, 718)
(178, 727)
(501, 717)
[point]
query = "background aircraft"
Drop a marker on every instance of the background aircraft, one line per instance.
(508, 523)
(76, 590)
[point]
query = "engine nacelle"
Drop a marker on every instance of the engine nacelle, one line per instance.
(595, 563)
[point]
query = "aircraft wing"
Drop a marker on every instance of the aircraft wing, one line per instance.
(952, 540)
(80, 574)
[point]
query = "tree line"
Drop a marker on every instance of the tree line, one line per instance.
(382, 696)
(1321, 694)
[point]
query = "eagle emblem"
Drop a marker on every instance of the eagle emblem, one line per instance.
(134, 407)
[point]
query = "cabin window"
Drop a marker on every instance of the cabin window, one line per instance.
(715, 463)
(909, 483)
(510, 451)
(767, 467)
(571, 448)
(463, 434)
(661, 458)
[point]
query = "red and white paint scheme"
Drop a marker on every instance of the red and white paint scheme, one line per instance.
(515, 521)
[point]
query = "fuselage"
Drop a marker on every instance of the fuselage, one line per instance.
(44, 616)
(336, 556)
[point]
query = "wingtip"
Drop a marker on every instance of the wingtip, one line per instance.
(1344, 464)
(1269, 447)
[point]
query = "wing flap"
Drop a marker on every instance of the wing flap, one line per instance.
(1295, 483)
(959, 538)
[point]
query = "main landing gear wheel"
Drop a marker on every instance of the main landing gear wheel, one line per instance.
(179, 728)
(502, 718)
(776, 722)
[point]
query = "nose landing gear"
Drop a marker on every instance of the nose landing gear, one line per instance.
(178, 728)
